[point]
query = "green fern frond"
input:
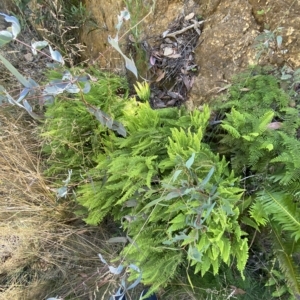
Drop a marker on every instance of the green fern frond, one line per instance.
(285, 248)
(281, 208)
(258, 214)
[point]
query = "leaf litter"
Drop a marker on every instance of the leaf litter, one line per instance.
(172, 66)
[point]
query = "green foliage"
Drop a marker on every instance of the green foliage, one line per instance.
(262, 139)
(143, 90)
(287, 252)
(133, 164)
(267, 42)
(73, 138)
(182, 204)
(199, 217)
(164, 179)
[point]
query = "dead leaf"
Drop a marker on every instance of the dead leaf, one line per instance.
(186, 82)
(176, 55)
(28, 57)
(169, 41)
(171, 102)
(192, 81)
(160, 104)
(92, 78)
(152, 60)
(161, 76)
(168, 51)
(237, 291)
(175, 95)
(165, 33)
(274, 125)
(244, 90)
(132, 38)
(189, 16)
(223, 88)
(196, 26)
(183, 71)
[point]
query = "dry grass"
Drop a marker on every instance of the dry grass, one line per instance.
(45, 251)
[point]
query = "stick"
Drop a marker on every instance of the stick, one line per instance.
(173, 34)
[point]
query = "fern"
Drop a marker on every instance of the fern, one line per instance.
(286, 251)
(282, 209)
(72, 137)
(289, 158)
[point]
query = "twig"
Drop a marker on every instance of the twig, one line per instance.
(173, 34)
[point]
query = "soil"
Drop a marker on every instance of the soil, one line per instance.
(226, 43)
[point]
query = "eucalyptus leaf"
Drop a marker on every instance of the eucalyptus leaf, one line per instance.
(38, 46)
(73, 89)
(119, 128)
(62, 192)
(176, 174)
(129, 63)
(46, 99)
(5, 37)
(194, 254)
(54, 89)
(107, 121)
(84, 78)
(67, 76)
(87, 88)
(286, 76)
(67, 181)
(190, 161)
(208, 176)
(102, 259)
(124, 15)
(279, 41)
(15, 72)
(15, 25)
(173, 194)
(23, 94)
(56, 55)
(33, 83)
(116, 271)
(11, 100)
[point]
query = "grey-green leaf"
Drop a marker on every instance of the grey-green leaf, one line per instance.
(15, 25)
(5, 37)
(129, 63)
(190, 161)
(38, 46)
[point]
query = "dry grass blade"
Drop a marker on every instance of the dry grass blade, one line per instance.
(45, 250)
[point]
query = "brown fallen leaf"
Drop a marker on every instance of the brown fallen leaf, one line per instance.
(186, 82)
(28, 57)
(160, 76)
(171, 102)
(192, 81)
(223, 88)
(189, 16)
(175, 55)
(175, 95)
(237, 291)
